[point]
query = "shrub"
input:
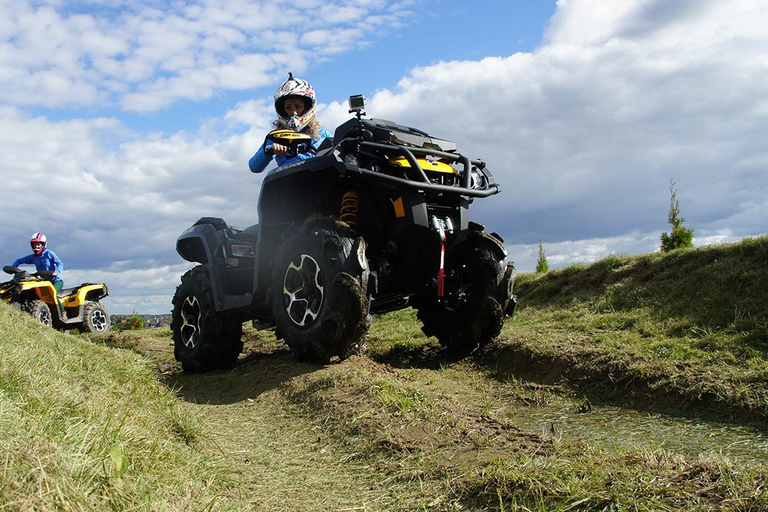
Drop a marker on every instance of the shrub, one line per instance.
(681, 237)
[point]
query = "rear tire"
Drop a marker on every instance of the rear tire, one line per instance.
(95, 318)
(319, 294)
(478, 291)
(204, 340)
(39, 311)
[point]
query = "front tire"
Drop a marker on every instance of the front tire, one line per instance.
(204, 340)
(319, 294)
(478, 292)
(95, 318)
(39, 311)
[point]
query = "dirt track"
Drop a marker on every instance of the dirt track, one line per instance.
(321, 434)
(400, 434)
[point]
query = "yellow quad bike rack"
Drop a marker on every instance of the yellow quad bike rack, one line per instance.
(34, 294)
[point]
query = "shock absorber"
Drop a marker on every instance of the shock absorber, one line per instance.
(350, 204)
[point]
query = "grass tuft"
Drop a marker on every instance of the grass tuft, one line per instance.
(89, 427)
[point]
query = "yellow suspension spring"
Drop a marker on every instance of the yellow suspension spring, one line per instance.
(350, 204)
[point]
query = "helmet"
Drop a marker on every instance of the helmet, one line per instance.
(38, 238)
(301, 89)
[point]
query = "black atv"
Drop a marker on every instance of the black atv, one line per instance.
(377, 221)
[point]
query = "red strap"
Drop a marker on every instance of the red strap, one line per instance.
(441, 272)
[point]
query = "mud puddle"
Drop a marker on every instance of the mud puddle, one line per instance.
(617, 428)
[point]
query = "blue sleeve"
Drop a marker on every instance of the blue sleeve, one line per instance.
(260, 160)
(24, 260)
(324, 134)
(58, 266)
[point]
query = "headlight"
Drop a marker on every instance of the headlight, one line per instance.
(351, 159)
(478, 179)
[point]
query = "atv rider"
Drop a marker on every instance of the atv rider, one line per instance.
(45, 259)
(296, 106)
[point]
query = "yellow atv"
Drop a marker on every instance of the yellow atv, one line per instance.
(35, 294)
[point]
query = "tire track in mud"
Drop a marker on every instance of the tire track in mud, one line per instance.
(284, 458)
(470, 423)
(557, 397)
(335, 437)
(283, 424)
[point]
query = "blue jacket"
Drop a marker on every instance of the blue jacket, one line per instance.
(261, 159)
(47, 260)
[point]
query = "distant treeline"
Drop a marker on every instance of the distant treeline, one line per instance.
(119, 318)
(137, 321)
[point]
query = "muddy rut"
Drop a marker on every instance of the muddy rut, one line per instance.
(402, 433)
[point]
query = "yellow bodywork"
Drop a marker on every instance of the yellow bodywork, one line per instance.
(427, 165)
(78, 297)
(47, 293)
(44, 290)
(399, 208)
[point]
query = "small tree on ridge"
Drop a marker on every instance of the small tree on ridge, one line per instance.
(681, 237)
(542, 267)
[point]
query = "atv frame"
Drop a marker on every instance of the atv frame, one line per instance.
(377, 221)
(36, 295)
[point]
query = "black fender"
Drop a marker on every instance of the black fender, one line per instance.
(477, 234)
(199, 242)
(230, 255)
(492, 241)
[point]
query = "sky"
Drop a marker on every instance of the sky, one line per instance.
(123, 122)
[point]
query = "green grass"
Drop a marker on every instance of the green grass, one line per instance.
(485, 463)
(692, 323)
(108, 422)
(713, 287)
(85, 427)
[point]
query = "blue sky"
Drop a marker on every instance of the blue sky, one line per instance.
(428, 32)
(122, 122)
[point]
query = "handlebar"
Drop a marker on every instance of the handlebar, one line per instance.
(44, 275)
(296, 142)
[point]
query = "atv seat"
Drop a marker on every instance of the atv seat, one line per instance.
(67, 291)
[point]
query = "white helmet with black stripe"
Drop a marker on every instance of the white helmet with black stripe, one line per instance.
(301, 89)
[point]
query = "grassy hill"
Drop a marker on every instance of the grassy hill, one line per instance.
(717, 287)
(690, 326)
(87, 427)
(110, 423)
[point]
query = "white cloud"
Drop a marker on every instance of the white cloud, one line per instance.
(145, 59)
(567, 252)
(143, 290)
(584, 133)
(112, 213)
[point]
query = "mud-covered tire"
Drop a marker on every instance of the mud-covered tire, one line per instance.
(204, 340)
(478, 292)
(95, 318)
(319, 294)
(39, 310)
